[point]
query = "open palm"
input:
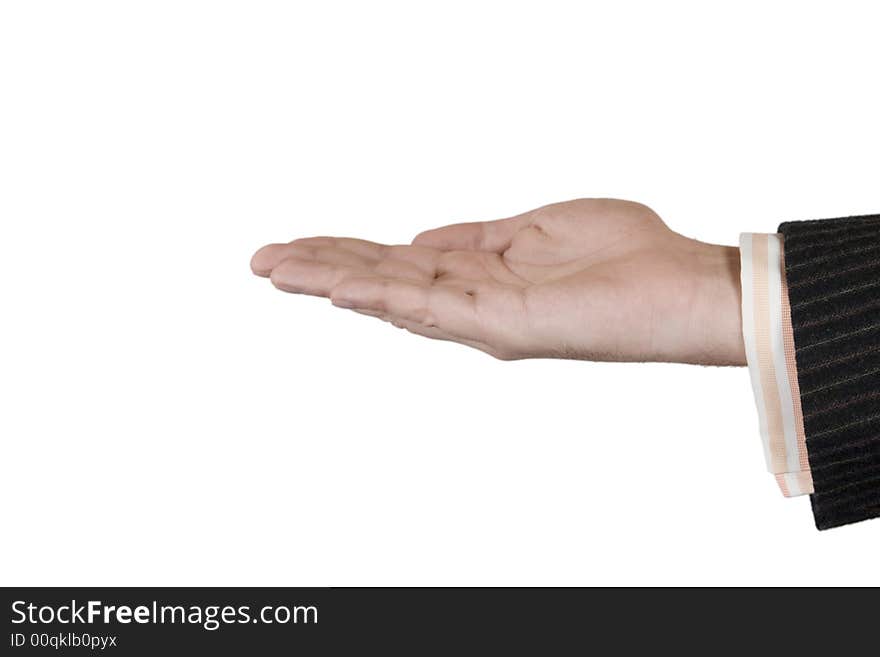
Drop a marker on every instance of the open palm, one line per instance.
(596, 279)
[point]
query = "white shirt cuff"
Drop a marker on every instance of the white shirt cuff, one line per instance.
(769, 342)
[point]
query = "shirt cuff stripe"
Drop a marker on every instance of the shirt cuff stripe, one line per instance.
(770, 354)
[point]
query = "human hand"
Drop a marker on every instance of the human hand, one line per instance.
(592, 279)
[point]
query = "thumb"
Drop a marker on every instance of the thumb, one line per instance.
(473, 236)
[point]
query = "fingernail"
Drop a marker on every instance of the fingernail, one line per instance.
(342, 303)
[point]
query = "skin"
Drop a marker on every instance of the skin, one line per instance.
(590, 279)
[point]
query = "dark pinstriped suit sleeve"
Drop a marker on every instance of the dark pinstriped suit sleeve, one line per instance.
(832, 267)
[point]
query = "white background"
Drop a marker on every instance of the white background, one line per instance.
(167, 418)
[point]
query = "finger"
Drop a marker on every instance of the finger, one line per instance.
(269, 256)
(432, 333)
(438, 334)
(302, 276)
(332, 255)
(419, 256)
(364, 248)
(389, 267)
(401, 262)
(404, 261)
(371, 313)
(393, 268)
(434, 306)
(413, 262)
(494, 236)
(317, 270)
(265, 259)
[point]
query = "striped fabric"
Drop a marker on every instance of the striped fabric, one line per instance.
(833, 272)
(770, 352)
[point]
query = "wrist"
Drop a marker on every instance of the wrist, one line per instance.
(719, 308)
